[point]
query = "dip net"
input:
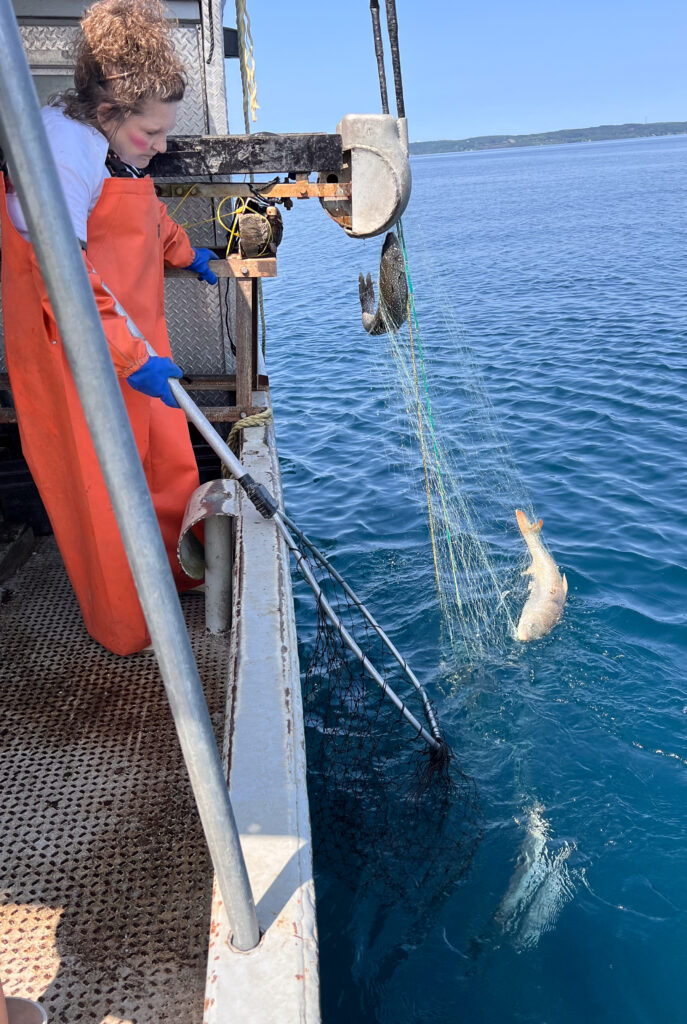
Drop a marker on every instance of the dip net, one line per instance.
(383, 807)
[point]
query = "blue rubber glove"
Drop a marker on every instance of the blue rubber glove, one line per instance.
(152, 379)
(200, 265)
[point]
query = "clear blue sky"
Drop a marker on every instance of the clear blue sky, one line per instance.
(481, 67)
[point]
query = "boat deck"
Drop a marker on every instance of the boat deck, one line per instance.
(105, 876)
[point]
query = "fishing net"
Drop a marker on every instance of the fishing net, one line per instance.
(383, 806)
(468, 481)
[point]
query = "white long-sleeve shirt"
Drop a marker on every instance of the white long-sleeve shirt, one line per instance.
(79, 151)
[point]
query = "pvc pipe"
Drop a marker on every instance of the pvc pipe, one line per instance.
(218, 569)
(36, 181)
(24, 1011)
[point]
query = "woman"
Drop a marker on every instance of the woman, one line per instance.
(128, 85)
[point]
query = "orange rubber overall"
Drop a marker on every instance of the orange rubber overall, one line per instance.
(130, 238)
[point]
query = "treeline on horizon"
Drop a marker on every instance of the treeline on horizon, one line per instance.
(601, 133)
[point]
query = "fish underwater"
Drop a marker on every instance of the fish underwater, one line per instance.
(548, 590)
(393, 291)
(539, 887)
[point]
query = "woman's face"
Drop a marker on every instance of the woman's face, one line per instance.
(138, 138)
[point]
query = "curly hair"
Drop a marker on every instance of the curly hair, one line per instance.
(124, 56)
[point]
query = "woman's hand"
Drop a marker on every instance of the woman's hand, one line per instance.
(152, 379)
(201, 266)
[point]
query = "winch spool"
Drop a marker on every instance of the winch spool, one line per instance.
(255, 229)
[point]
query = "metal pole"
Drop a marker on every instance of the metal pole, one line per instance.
(36, 181)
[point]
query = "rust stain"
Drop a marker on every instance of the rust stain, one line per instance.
(238, 601)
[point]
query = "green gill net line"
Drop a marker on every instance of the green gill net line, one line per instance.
(471, 488)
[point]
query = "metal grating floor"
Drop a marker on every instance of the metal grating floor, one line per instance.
(105, 878)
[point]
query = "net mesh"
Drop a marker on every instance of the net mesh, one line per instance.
(380, 805)
(469, 481)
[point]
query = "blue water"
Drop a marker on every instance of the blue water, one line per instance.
(563, 273)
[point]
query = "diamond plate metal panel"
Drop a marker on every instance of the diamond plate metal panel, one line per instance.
(49, 45)
(213, 67)
(192, 119)
(197, 217)
(205, 348)
(187, 309)
(195, 326)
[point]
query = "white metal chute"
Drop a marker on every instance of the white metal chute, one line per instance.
(375, 149)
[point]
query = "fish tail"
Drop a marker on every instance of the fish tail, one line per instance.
(525, 525)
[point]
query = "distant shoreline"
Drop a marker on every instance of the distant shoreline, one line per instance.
(602, 133)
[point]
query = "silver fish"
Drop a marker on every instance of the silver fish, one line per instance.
(393, 291)
(548, 589)
(540, 885)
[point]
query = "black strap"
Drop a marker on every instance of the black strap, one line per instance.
(392, 28)
(118, 169)
(379, 51)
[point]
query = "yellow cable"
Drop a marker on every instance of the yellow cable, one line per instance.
(182, 200)
(233, 231)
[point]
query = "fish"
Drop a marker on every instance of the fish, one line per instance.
(548, 590)
(540, 886)
(393, 291)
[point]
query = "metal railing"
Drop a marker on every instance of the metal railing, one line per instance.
(35, 178)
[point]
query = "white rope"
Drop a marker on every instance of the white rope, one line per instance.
(247, 61)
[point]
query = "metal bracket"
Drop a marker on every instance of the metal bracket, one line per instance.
(375, 151)
(214, 498)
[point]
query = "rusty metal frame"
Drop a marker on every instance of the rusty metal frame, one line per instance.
(280, 190)
(234, 266)
(215, 413)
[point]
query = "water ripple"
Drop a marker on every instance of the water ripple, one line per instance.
(553, 323)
